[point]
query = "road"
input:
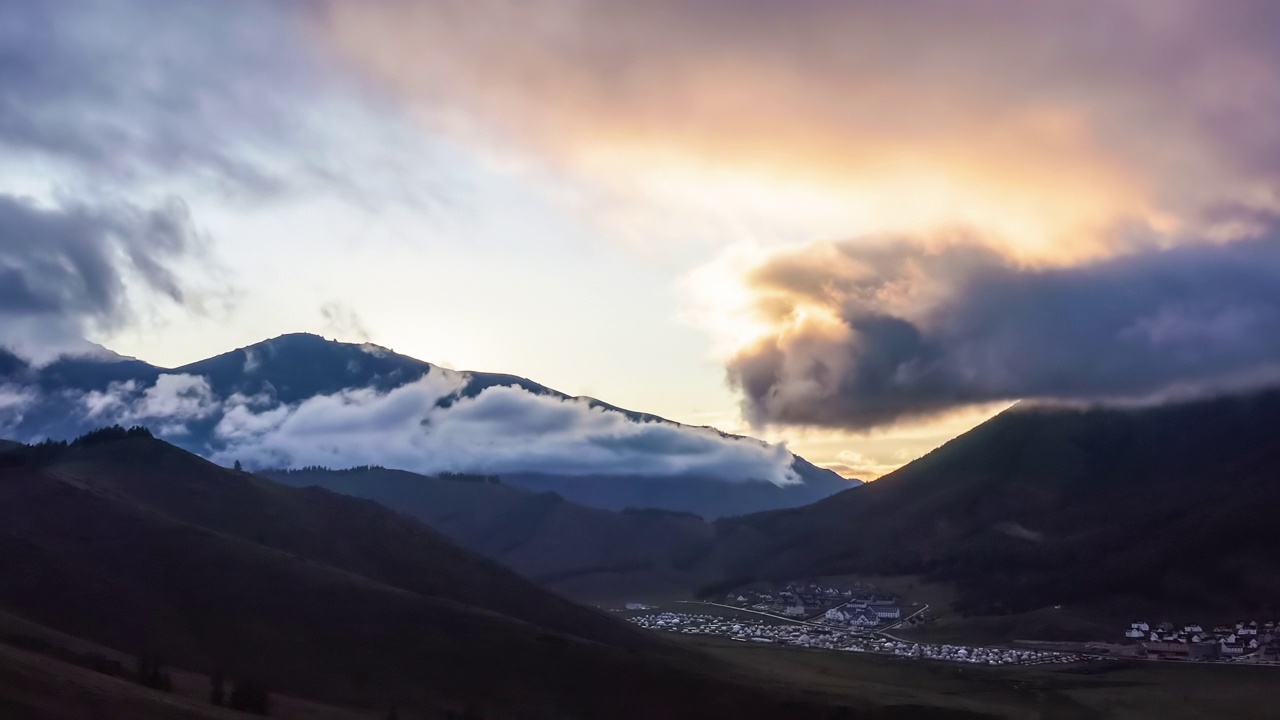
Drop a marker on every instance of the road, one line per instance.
(882, 632)
(793, 621)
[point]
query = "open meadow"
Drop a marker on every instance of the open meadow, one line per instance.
(1107, 689)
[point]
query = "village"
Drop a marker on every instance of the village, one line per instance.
(1245, 640)
(806, 635)
(859, 606)
(859, 617)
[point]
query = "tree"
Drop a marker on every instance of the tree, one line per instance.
(250, 696)
(218, 691)
(152, 674)
(238, 467)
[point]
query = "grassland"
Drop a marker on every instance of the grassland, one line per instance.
(1119, 690)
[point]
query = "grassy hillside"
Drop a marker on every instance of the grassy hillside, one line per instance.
(1168, 508)
(585, 552)
(708, 497)
(142, 547)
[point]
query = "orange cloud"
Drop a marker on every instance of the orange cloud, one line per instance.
(1040, 123)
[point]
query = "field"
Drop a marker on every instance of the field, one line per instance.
(40, 686)
(1120, 690)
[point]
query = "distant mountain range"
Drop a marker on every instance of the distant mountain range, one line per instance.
(587, 553)
(1166, 509)
(302, 400)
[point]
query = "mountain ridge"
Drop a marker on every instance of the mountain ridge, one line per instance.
(197, 403)
(1043, 506)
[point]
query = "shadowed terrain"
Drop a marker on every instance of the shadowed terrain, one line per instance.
(1159, 509)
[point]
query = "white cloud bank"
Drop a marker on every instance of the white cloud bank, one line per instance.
(427, 426)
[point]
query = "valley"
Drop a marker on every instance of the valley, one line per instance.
(639, 360)
(971, 557)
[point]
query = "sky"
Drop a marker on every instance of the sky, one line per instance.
(860, 227)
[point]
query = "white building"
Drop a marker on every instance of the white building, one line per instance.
(835, 615)
(865, 618)
(888, 612)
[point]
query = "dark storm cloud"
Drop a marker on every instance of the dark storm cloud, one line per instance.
(133, 88)
(232, 97)
(68, 269)
(907, 330)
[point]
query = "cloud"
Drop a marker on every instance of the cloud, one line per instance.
(147, 93)
(69, 270)
(171, 402)
(430, 425)
(344, 322)
(871, 332)
(501, 429)
(14, 401)
(1031, 120)
(864, 467)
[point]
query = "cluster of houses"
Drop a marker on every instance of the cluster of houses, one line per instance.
(864, 613)
(859, 606)
(1195, 642)
(823, 638)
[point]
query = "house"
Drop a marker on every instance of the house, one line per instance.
(866, 617)
(1134, 633)
(1141, 626)
(1231, 649)
(888, 612)
(1168, 648)
(835, 615)
(1192, 629)
(795, 610)
(1249, 629)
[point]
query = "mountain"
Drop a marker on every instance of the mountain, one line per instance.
(137, 545)
(702, 496)
(584, 552)
(1165, 509)
(301, 400)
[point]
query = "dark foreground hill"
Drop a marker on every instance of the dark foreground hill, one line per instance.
(581, 551)
(1161, 508)
(144, 548)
